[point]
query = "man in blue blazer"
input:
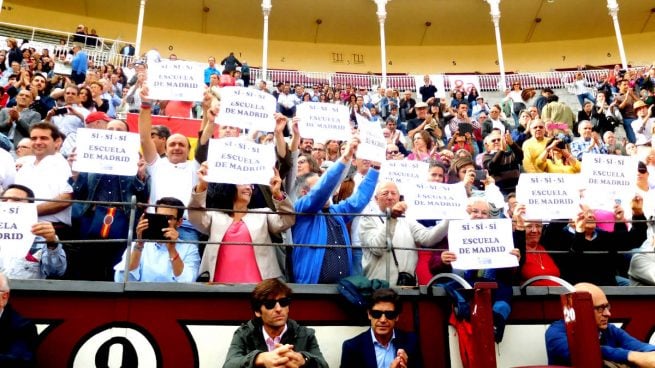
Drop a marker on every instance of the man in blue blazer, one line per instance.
(382, 346)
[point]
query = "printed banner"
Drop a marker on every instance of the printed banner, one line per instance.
(549, 196)
(435, 201)
(608, 179)
(464, 83)
(482, 244)
(176, 80)
(323, 121)
(107, 152)
(238, 161)
(16, 220)
(404, 172)
(372, 144)
(247, 108)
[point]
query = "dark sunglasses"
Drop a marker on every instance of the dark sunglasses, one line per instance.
(270, 304)
(392, 152)
(642, 170)
(377, 314)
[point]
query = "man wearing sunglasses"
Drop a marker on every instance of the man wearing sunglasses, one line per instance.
(382, 345)
(271, 339)
(617, 347)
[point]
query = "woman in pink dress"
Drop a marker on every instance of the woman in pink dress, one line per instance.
(235, 255)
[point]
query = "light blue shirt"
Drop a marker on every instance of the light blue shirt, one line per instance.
(384, 355)
(155, 264)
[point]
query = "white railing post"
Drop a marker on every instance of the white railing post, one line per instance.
(382, 16)
(495, 17)
(613, 7)
(139, 29)
(266, 11)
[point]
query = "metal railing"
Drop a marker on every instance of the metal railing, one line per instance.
(133, 205)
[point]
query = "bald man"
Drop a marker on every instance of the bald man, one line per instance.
(17, 334)
(616, 345)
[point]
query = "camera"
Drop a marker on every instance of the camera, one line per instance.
(61, 111)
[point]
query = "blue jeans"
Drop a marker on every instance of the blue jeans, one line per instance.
(627, 126)
(586, 96)
(357, 261)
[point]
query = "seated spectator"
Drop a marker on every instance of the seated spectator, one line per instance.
(18, 339)
(479, 209)
(618, 349)
(589, 141)
(613, 147)
(239, 229)
(462, 142)
(463, 170)
(422, 148)
(535, 260)
(327, 264)
(271, 338)
(534, 146)
(406, 234)
(382, 345)
(171, 261)
(556, 158)
(495, 121)
(584, 235)
(15, 122)
(502, 160)
(46, 257)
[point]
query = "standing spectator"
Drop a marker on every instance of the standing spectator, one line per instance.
(211, 69)
(245, 73)
(327, 264)
(80, 34)
(47, 175)
(230, 63)
(14, 53)
(79, 64)
(428, 90)
(18, 340)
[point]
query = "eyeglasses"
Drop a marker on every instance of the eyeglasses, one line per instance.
(642, 170)
(377, 314)
(479, 212)
(538, 127)
(392, 152)
(317, 149)
(495, 140)
(270, 304)
(26, 147)
(302, 161)
(601, 308)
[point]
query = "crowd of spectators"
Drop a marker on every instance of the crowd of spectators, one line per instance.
(527, 132)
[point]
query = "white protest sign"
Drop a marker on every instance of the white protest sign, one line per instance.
(437, 81)
(464, 83)
(404, 172)
(107, 152)
(63, 68)
(608, 178)
(549, 196)
(435, 201)
(323, 121)
(247, 108)
(16, 220)
(481, 244)
(176, 80)
(238, 161)
(372, 144)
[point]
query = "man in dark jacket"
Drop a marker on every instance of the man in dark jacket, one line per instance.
(17, 334)
(271, 338)
(382, 345)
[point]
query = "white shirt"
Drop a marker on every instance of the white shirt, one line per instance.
(7, 170)
(48, 179)
(172, 180)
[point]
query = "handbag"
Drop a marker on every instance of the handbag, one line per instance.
(104, 223)
(404, 278)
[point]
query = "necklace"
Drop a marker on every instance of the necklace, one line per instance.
(541, 263)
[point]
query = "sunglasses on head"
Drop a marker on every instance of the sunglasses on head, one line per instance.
(270, 304)
(377, 314)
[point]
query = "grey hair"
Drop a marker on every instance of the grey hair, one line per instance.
(301, 183)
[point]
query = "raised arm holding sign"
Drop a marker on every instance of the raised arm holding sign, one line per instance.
(247, 108)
